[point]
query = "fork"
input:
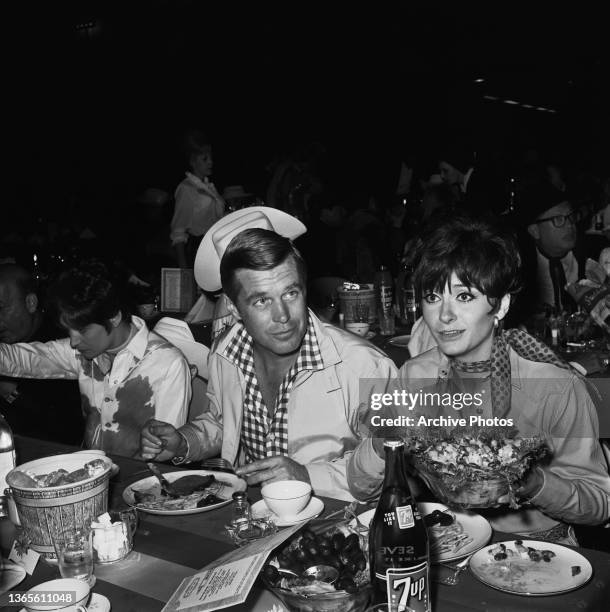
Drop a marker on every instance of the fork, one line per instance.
(457, 570)
(165, 484)
(218, 464)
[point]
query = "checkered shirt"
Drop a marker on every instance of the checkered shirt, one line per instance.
(262, 435)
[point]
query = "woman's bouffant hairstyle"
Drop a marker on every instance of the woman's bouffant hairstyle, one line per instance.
(256, 249)
(479, 252)
(195, 142)
(87, 294)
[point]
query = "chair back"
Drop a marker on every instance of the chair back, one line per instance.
(177, 332)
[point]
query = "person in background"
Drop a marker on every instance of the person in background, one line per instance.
(551, 259)
(126, 374)
(288, 394)
(467, 273)
(198, 204)
(43, 409)
(326, 218)
(479, 187)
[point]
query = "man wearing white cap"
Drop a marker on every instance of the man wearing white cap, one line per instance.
(288, 394)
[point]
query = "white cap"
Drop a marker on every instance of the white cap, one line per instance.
(217, 238)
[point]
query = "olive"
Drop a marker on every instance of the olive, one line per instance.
(352, 537)
(300, 555)
(361, 564)
(344, 557)
(324, 541)
(308, 534)
(338, 539)
(352, 567)
(312, 550)
(271, 574)
(326, 551)
(283, 558)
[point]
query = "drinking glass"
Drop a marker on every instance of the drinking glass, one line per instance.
(113, 541)
(74, 553)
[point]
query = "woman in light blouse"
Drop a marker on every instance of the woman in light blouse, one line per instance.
(198, 204)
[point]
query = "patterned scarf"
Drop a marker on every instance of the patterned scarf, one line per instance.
(525, 346)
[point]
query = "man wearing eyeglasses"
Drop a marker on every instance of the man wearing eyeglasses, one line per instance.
(550, 221)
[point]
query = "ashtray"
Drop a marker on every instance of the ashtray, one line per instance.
(248, 531)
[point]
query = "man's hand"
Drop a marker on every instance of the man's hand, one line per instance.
(161, 441)
(271, 469)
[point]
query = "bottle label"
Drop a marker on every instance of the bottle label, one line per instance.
(409, 298)
(407, 588)
(405, 517)
(385, 294)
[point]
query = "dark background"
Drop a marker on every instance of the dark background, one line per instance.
(97, 111)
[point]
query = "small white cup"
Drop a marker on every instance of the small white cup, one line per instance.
(55, 590)
(286, 498)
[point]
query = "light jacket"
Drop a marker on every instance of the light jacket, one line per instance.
(326, 409)
(545, 400)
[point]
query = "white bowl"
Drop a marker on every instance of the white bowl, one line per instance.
(60, 587)
(286, 497)
(360, 329)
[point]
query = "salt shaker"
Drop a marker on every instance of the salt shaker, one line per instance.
(241, 510)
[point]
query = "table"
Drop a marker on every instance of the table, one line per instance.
(167, 549)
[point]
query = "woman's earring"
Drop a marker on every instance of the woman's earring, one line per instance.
(496, 323)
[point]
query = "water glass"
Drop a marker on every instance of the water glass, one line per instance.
(74, 553)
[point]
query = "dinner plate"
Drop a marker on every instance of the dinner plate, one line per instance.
(477, 528)
(97, 603)
(229, 483)
(566, 571)
(400, 341)
(11, 575)
(313, 509)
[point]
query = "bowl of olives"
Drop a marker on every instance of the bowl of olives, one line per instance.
(320, 571)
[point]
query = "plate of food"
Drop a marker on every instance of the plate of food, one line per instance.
(452, 535)
(200, 491)
(400, 341)
(530, 567)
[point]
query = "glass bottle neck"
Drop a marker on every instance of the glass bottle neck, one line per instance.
(395, 473)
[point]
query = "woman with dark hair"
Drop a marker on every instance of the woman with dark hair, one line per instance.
(198, 204)
(467, 273)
